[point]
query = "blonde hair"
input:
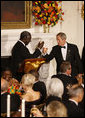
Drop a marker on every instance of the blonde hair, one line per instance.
(28, 79)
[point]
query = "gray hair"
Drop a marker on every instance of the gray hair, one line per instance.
(62, 35)
(56, 109)
(75, 92)
(55, 87)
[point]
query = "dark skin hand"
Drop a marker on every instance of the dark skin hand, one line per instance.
(40, 44)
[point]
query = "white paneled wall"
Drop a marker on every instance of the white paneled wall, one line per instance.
(73, 26)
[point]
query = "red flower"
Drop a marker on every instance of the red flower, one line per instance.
(36, 23)
(37, 16)
(56, 16)
(49, 2)
(34, 3)
(63, 13)
(44, 22)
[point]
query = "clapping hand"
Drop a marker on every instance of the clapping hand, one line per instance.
(40, 44)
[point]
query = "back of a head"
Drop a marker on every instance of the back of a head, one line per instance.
(76, 92)
(55, 87)
(28, 79)
(4, 85)
(25, 34)
(56, 109)
(34, 73)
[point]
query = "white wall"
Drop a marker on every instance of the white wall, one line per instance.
(73, 26)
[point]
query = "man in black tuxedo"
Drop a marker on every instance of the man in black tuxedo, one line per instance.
(76, 95)
(65, 77)
(65, 51)
(20, 52)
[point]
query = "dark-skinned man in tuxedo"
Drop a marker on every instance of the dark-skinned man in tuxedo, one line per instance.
(20, 52)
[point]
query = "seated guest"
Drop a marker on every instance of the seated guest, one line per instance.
(53, 109)
(76, 95)
(31, 97)
(39, 85)
(65, 77)
(55, 90)
(6, 74)
(13, 83)
(14, 98)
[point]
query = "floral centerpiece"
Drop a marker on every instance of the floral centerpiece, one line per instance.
(47, 12)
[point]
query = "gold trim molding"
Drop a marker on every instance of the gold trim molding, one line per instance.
(82, 11)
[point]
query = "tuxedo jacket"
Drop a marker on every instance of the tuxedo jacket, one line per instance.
(52, 98)
(20, 53)
(73, 110)
(83, 57)
(14, 101)
(72, 56)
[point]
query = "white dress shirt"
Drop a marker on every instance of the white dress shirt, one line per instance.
(64, 51)
(22, 42)
(74, 101)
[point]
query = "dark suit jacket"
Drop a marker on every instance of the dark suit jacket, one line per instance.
(20, 53)
(52, 98)
(72, 56)
(83, 58)
(14, 100)
(73, 110)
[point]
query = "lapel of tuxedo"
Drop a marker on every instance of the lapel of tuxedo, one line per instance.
(60, 53)
(68, 55)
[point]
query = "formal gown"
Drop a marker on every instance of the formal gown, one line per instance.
(29, 105)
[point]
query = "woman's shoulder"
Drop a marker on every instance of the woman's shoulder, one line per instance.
(31, 96)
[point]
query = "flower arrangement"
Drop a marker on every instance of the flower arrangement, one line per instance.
(47, 12)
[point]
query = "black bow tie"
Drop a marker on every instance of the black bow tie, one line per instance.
(62, 47)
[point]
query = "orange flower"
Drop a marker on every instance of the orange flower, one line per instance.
(46, 5)
(38, 8)
(52, 13)
(49, 10)
(42, 19)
